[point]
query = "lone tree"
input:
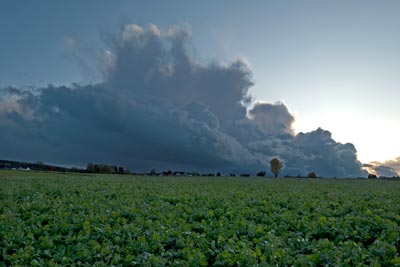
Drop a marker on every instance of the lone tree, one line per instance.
(312, 175)
(276, 166)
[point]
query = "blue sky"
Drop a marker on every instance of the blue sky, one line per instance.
(335, 64)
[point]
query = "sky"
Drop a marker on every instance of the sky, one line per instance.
(322, 67)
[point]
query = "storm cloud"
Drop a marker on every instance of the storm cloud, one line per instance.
(160, 107)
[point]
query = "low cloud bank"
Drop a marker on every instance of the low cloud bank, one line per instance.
(389, 168)
(159, 107)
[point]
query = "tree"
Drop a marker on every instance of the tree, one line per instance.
(261, 174)
(90, 167)
(276, 166)
(312, 175)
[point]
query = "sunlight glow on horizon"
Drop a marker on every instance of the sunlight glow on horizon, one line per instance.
(372, 137)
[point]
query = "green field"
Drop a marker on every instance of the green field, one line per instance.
(49, 219)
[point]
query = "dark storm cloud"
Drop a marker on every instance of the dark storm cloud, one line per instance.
(268, 130)
(272, 119)
(160, 107)
(146, 62)
(326, 156)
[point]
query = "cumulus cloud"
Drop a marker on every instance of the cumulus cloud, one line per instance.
(268, 130)
(395, 163)
(272, 119)
(389, 168)
(326, 156)
(159, 107)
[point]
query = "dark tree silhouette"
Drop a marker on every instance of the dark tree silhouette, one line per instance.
(312, 175)
(276, 166)
(90, 167)
(261, 174)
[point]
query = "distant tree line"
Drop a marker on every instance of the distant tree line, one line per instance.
(275, 167)
(104, 168)
(38, 166)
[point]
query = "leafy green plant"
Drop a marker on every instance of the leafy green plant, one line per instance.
(49, 219)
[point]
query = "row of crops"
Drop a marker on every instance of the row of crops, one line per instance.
(98, 220)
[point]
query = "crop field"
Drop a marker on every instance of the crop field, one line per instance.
(51, 219)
